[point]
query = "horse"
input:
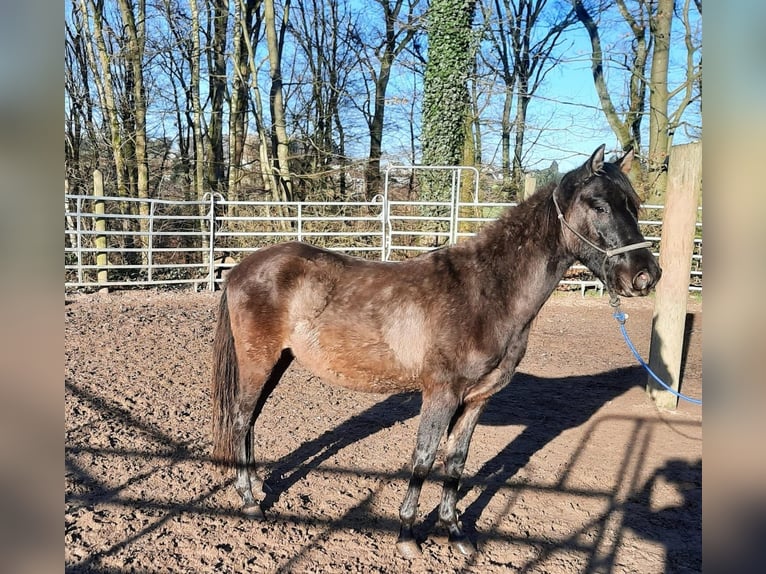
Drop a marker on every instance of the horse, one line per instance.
(451, 323)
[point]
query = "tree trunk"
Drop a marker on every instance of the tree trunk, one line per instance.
(372, 172)
(135, 27)
(198, 178)
(105, 87)
(279, 139)
(238, 108)
(659, 136)
(505, 136)
(217, 80)
(522, 102)
(445, 100)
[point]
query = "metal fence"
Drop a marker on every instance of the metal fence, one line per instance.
(120, 242)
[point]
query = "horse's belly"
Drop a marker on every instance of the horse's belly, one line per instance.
(361, 381)
(356, 363)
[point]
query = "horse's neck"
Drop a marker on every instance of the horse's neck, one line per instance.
(530, 259)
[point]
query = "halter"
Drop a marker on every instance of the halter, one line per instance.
(606, 252)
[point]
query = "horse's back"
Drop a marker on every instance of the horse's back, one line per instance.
(353, 322)
(283, 280)
(281, 256)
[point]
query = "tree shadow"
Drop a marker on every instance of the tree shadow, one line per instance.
(678, 528)
(546, 407)
(689, 326)
(295, 466)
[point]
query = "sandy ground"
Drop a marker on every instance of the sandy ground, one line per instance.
(571, 469)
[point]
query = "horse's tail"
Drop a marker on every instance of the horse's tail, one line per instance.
(225, 387)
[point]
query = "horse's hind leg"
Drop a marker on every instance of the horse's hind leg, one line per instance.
(257, 381)
(243, 435)
(435, 415)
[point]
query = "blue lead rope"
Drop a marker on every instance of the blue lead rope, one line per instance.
(621, 318)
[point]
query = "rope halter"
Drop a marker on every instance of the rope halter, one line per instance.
(606, 252)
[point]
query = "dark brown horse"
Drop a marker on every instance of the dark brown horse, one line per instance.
(452, 323)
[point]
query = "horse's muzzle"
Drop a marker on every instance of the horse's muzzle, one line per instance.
(643, 281)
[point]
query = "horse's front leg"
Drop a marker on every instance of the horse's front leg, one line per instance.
(456, 452)
(435, 415)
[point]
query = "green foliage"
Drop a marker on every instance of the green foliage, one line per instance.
(445, 97)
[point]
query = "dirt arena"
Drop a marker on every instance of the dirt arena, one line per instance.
(571, 469)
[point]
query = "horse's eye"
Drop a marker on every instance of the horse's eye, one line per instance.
(601, 208)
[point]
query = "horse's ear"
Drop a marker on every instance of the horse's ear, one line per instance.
(627, 161)
(596, 161)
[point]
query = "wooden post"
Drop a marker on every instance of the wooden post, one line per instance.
(677, 242)
(530, 184)
(100, 225)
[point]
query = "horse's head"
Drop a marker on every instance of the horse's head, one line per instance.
(598, 209)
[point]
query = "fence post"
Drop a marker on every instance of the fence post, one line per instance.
(386, 222)
(300, 221)
(676, 246)
(80, 276)
(454, 200)
(100, 225)
(530, 185)
(211, 246)
(150, 247)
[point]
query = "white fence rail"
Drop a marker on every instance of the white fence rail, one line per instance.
(119, 242)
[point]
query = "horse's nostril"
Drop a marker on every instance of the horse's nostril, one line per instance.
(642, 280)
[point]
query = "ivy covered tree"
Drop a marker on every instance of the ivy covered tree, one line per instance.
(445, 90)
(445, 95)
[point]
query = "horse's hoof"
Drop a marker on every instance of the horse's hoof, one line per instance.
(408, 549)
(253, 511)
(464, 546)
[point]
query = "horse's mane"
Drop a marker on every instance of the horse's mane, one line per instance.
(536, 218)
(529, 221)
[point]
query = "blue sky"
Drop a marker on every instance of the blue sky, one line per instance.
(565, 120)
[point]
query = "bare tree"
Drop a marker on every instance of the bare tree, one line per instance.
(688, 93)
(81, 136)
(114, 40)
(268, 171)
(134, 25)
(198, 181)
(650, 25)
(524, 39)
(378, 53)
(627, 128)
(174, 53)
(99, 58)
(217, 86)
(323, 33)
(279, 142)
(663, 122)
(244, 21)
